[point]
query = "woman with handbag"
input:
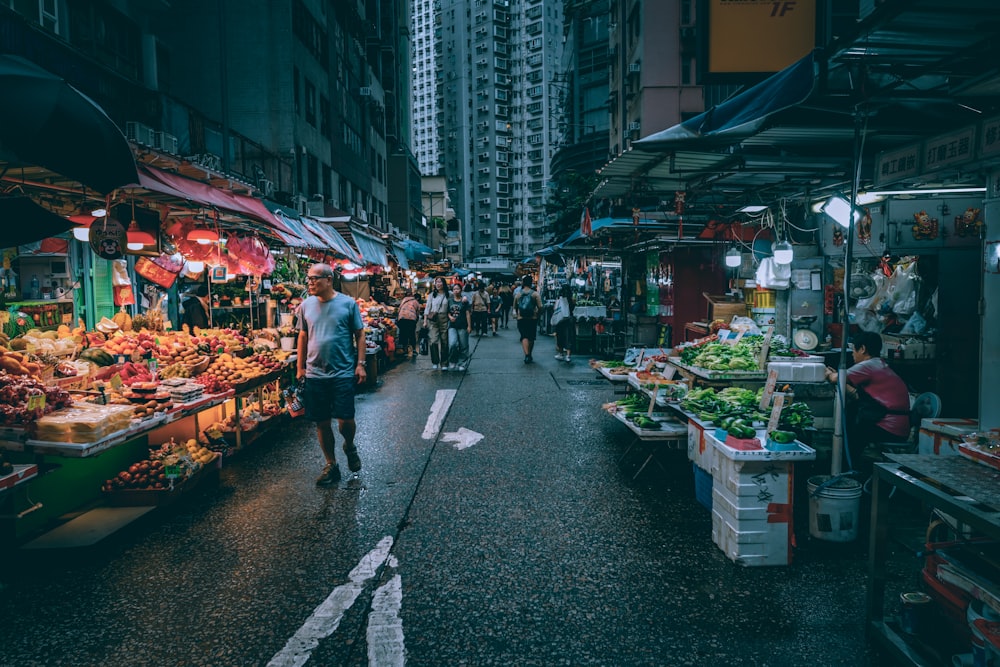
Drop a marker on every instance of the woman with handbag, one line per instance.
(565, 325)
(436, 321)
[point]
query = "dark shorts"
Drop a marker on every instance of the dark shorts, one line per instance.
(326, 399)
(527, 328)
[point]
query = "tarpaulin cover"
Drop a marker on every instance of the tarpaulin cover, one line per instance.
(333, 239)
(372, 249)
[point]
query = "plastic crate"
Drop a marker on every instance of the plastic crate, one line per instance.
(702, 487)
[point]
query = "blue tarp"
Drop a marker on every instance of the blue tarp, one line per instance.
(399, 252)
(416, 250)
(743, 115)
(372, 249)
(332, 238)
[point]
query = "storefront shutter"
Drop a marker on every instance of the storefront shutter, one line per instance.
(104, 305)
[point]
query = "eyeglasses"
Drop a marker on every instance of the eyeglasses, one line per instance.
(314, 278)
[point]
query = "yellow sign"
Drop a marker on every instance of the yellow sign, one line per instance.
(759, 35)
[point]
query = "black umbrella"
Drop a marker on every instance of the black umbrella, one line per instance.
(46, 122)
(23, 221)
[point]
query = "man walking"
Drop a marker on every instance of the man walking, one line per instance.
(528, 305)
(331, 358)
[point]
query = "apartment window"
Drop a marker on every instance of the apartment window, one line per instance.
(324, 116)
(296, 107)
(310, 103)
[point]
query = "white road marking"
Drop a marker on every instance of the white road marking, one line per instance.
(442, 401)
(327, 616)
(463, 438)
(385, 627)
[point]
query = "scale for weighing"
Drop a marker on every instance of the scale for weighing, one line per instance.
(803, 337)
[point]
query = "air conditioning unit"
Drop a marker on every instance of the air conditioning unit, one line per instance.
(484, 109)
(138, 133)
(485, 201)
(485, 171)
(266, 187)
(166, 143)
(485, 232)
(634, 126)
(486, 216)
(365, 91)
(634, 68)
(484, 156)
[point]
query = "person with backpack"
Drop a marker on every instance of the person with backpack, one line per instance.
(527, 308)
(496, 305)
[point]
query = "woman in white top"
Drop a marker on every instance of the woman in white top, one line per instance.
(436, 321)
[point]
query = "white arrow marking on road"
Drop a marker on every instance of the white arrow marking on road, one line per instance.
(463, 438)
(385, 627)
(326, 617)
(442, 401)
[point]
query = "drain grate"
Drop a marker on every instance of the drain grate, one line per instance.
(586, 383)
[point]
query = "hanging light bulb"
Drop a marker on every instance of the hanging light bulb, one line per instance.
(783, 252)
(203, 236)
(136, 239)
(733, 257)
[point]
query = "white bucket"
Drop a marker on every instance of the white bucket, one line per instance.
(834, 509)
(287, 319)
(288, 344)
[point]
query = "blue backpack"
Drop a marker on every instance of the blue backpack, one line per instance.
(526, 304)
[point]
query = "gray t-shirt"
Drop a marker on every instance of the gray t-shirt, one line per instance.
(331, 326)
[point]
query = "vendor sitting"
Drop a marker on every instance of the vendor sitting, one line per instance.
(878, 402)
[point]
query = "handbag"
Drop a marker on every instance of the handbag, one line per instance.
(423, 341)
(560, 312)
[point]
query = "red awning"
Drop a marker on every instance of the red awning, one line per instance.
(164, 182)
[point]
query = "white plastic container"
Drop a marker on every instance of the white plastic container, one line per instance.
(798, 371)
(940, 437)
(751, 543)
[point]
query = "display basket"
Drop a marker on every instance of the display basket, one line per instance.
(161, 497)
(199, 366)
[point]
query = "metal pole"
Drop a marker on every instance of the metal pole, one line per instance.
(839, 428)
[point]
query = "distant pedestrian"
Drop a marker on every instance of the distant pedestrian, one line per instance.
(459, 328)
(406, 322)
(436, 321)
(508, 302)
(564, 323)
(496, 307)
(527, 308)
(196, 309)
(331, 361)
(480, 309)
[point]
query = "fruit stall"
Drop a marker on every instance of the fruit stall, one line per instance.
(97, 425)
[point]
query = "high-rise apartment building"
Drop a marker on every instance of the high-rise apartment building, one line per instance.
(425, 24)
(496, 60)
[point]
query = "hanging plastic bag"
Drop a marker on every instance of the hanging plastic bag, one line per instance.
(123, 294)
(771, 275)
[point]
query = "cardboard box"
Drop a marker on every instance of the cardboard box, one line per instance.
(721, 307)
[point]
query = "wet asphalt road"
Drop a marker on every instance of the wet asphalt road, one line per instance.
(532, 547)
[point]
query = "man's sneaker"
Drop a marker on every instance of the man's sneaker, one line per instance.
(560, 357)
(461, 367)
(451, 367)
(330, 475)
(567, 359)
(353, 460)
(434, 367)
(527, 359)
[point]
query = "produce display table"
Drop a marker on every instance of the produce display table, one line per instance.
(22, 473)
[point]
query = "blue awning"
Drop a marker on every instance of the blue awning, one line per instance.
(372, 249)
(400, 253)
(417, 250)
(743, 115)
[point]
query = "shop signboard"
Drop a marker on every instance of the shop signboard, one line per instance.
(107, 238)
(989, 137)
(949, 149)
(898, 164)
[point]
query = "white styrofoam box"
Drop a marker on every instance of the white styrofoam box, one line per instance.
(801, 452)
(751, 545)
(763, 481)
(806, 359)
(798, 371)
(941, 437)
(730, 506)
(700, 451)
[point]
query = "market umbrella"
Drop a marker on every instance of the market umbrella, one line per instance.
(23, 221)
(46, 122)
(416, 250)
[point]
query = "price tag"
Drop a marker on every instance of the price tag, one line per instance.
(723, 335)
(739, 335)
(638, 360)
(765, 398)
(670, 371)
(779, 403)
(36, 402)
(765, 349)
(172, 472)
(116, 382)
